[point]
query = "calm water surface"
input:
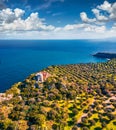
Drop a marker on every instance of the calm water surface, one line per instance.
(18, 59)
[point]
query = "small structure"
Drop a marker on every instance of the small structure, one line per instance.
(41, 76)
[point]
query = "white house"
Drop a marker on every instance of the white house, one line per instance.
(39, 77)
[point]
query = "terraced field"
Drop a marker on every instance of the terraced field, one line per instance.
(73, 97)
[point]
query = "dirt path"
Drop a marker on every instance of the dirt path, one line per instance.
(84, 114)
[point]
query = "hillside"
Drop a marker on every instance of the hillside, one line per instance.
(64, 97)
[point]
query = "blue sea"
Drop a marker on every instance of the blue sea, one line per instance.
(20, 58)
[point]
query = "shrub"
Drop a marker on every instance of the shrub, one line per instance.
(75, 128)
(75, 111)
(92, 122)
(85, 128)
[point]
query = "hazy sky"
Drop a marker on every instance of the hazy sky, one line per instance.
(57, 19)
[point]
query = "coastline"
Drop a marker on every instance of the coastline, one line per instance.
(21, 58)
(73, 89)
(42, 71)
(105, 55)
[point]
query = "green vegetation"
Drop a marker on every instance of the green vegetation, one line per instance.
(73, 97)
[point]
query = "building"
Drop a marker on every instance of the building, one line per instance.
(39, 77)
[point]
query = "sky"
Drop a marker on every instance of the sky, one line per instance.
(57, 19)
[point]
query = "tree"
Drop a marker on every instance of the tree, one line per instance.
(74, 119)
(75, 111)
(11, 127)
(111, 116)
(85, 128)
(92, 122)
(62, 124)
(71, 94)
(33, 127)
(2, 117)
(38, 119)
(103, 124)
(52, 114)
(7, 125)
(54, 126)
(14, 115)
(89, 114)
(114, 123)
(22, 125)
(75, 128)
(84, 120)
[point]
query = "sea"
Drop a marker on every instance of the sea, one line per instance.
(20, 58)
